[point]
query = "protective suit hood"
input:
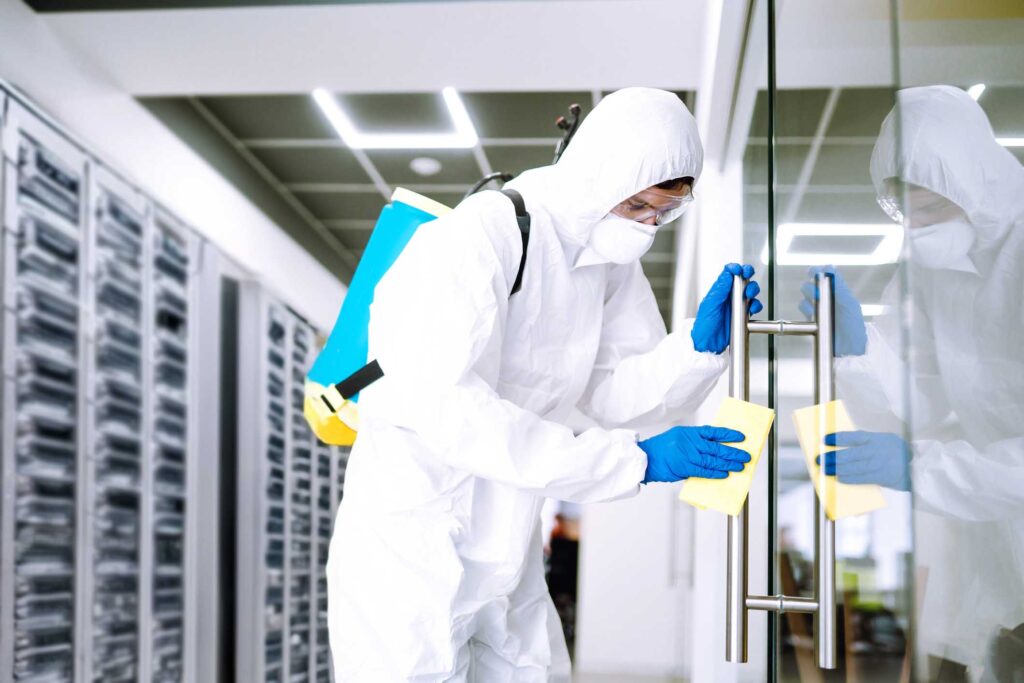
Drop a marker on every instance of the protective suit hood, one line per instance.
(943, 141)
(633, 139)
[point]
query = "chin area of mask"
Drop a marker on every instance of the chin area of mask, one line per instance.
(942, 245)
(620, 240)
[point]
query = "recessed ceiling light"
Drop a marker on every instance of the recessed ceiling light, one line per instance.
(464, 137)
(975, 91)
(887, 249)
(425, 166)
(1011, 142)
(873, 310)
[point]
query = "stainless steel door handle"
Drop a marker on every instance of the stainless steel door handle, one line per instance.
(823, 605)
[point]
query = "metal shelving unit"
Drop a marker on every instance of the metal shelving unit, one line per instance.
(288, 488)
(97, 438)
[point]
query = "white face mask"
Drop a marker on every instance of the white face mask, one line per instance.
(942, 245)
(620, 240)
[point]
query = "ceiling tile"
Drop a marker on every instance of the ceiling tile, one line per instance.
(270, 116)
(843, 165)
(343, 205)
(522, 114)
(755, 207)
(458, 166)
(1005, 108)
(515, 160)
(789, 160)
(858, 207)
(797, 113)
(397, 112)
(312, 164)
(354, 240)
(860, 111)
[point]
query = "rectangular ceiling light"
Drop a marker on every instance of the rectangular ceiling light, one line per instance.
(1011, 142)
(464, 137)
(873, 310)
(887, 249)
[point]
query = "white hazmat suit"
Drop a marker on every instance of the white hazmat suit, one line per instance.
(435, 568)
(966, 373)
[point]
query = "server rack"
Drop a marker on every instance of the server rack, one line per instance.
(171, 443)
(117, 430)
(329, 482)
(96, 352)
(288, 491)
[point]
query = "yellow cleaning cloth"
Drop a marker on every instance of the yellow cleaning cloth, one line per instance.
(840, 500)
(727, 495)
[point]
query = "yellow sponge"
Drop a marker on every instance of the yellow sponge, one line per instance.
(727, 495)
(840, 500)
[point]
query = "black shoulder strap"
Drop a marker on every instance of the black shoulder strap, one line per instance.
(523, 219)
(371, 372)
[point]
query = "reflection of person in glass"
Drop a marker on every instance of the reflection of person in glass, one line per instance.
(939, 171)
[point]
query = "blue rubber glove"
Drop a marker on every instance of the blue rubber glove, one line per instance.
(851, 337)
(711, 329)
(869, 458)
(683, 452)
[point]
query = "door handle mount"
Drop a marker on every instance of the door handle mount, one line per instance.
(738, 602)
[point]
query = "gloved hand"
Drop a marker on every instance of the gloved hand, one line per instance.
(851, 336)
(683, 452)
(869, 458)
(711, 329)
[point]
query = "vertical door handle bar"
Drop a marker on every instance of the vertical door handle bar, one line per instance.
(825, 538)
(736, 574)
(737, 601)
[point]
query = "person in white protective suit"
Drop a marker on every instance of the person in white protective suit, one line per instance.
(938, 169)
(435, 568)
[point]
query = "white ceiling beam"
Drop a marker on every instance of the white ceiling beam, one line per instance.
(359, 188)
(315, 143)
(808, 140)
(407, 47)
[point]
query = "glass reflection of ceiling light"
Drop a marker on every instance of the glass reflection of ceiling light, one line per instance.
(886, 251)
(873, 310)
(975, 91)
(464, 137)
(1011, 142)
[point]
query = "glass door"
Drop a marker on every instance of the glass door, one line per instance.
(892, 148)
(877, 186)
(842, 537)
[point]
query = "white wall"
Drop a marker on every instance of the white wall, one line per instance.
(633, 579)
(117, 129)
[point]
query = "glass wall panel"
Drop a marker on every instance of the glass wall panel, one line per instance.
(948, 165)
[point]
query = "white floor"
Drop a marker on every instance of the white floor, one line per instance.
(623, 678)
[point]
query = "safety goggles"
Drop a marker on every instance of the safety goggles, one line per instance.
(653, 203)
(925, 207)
